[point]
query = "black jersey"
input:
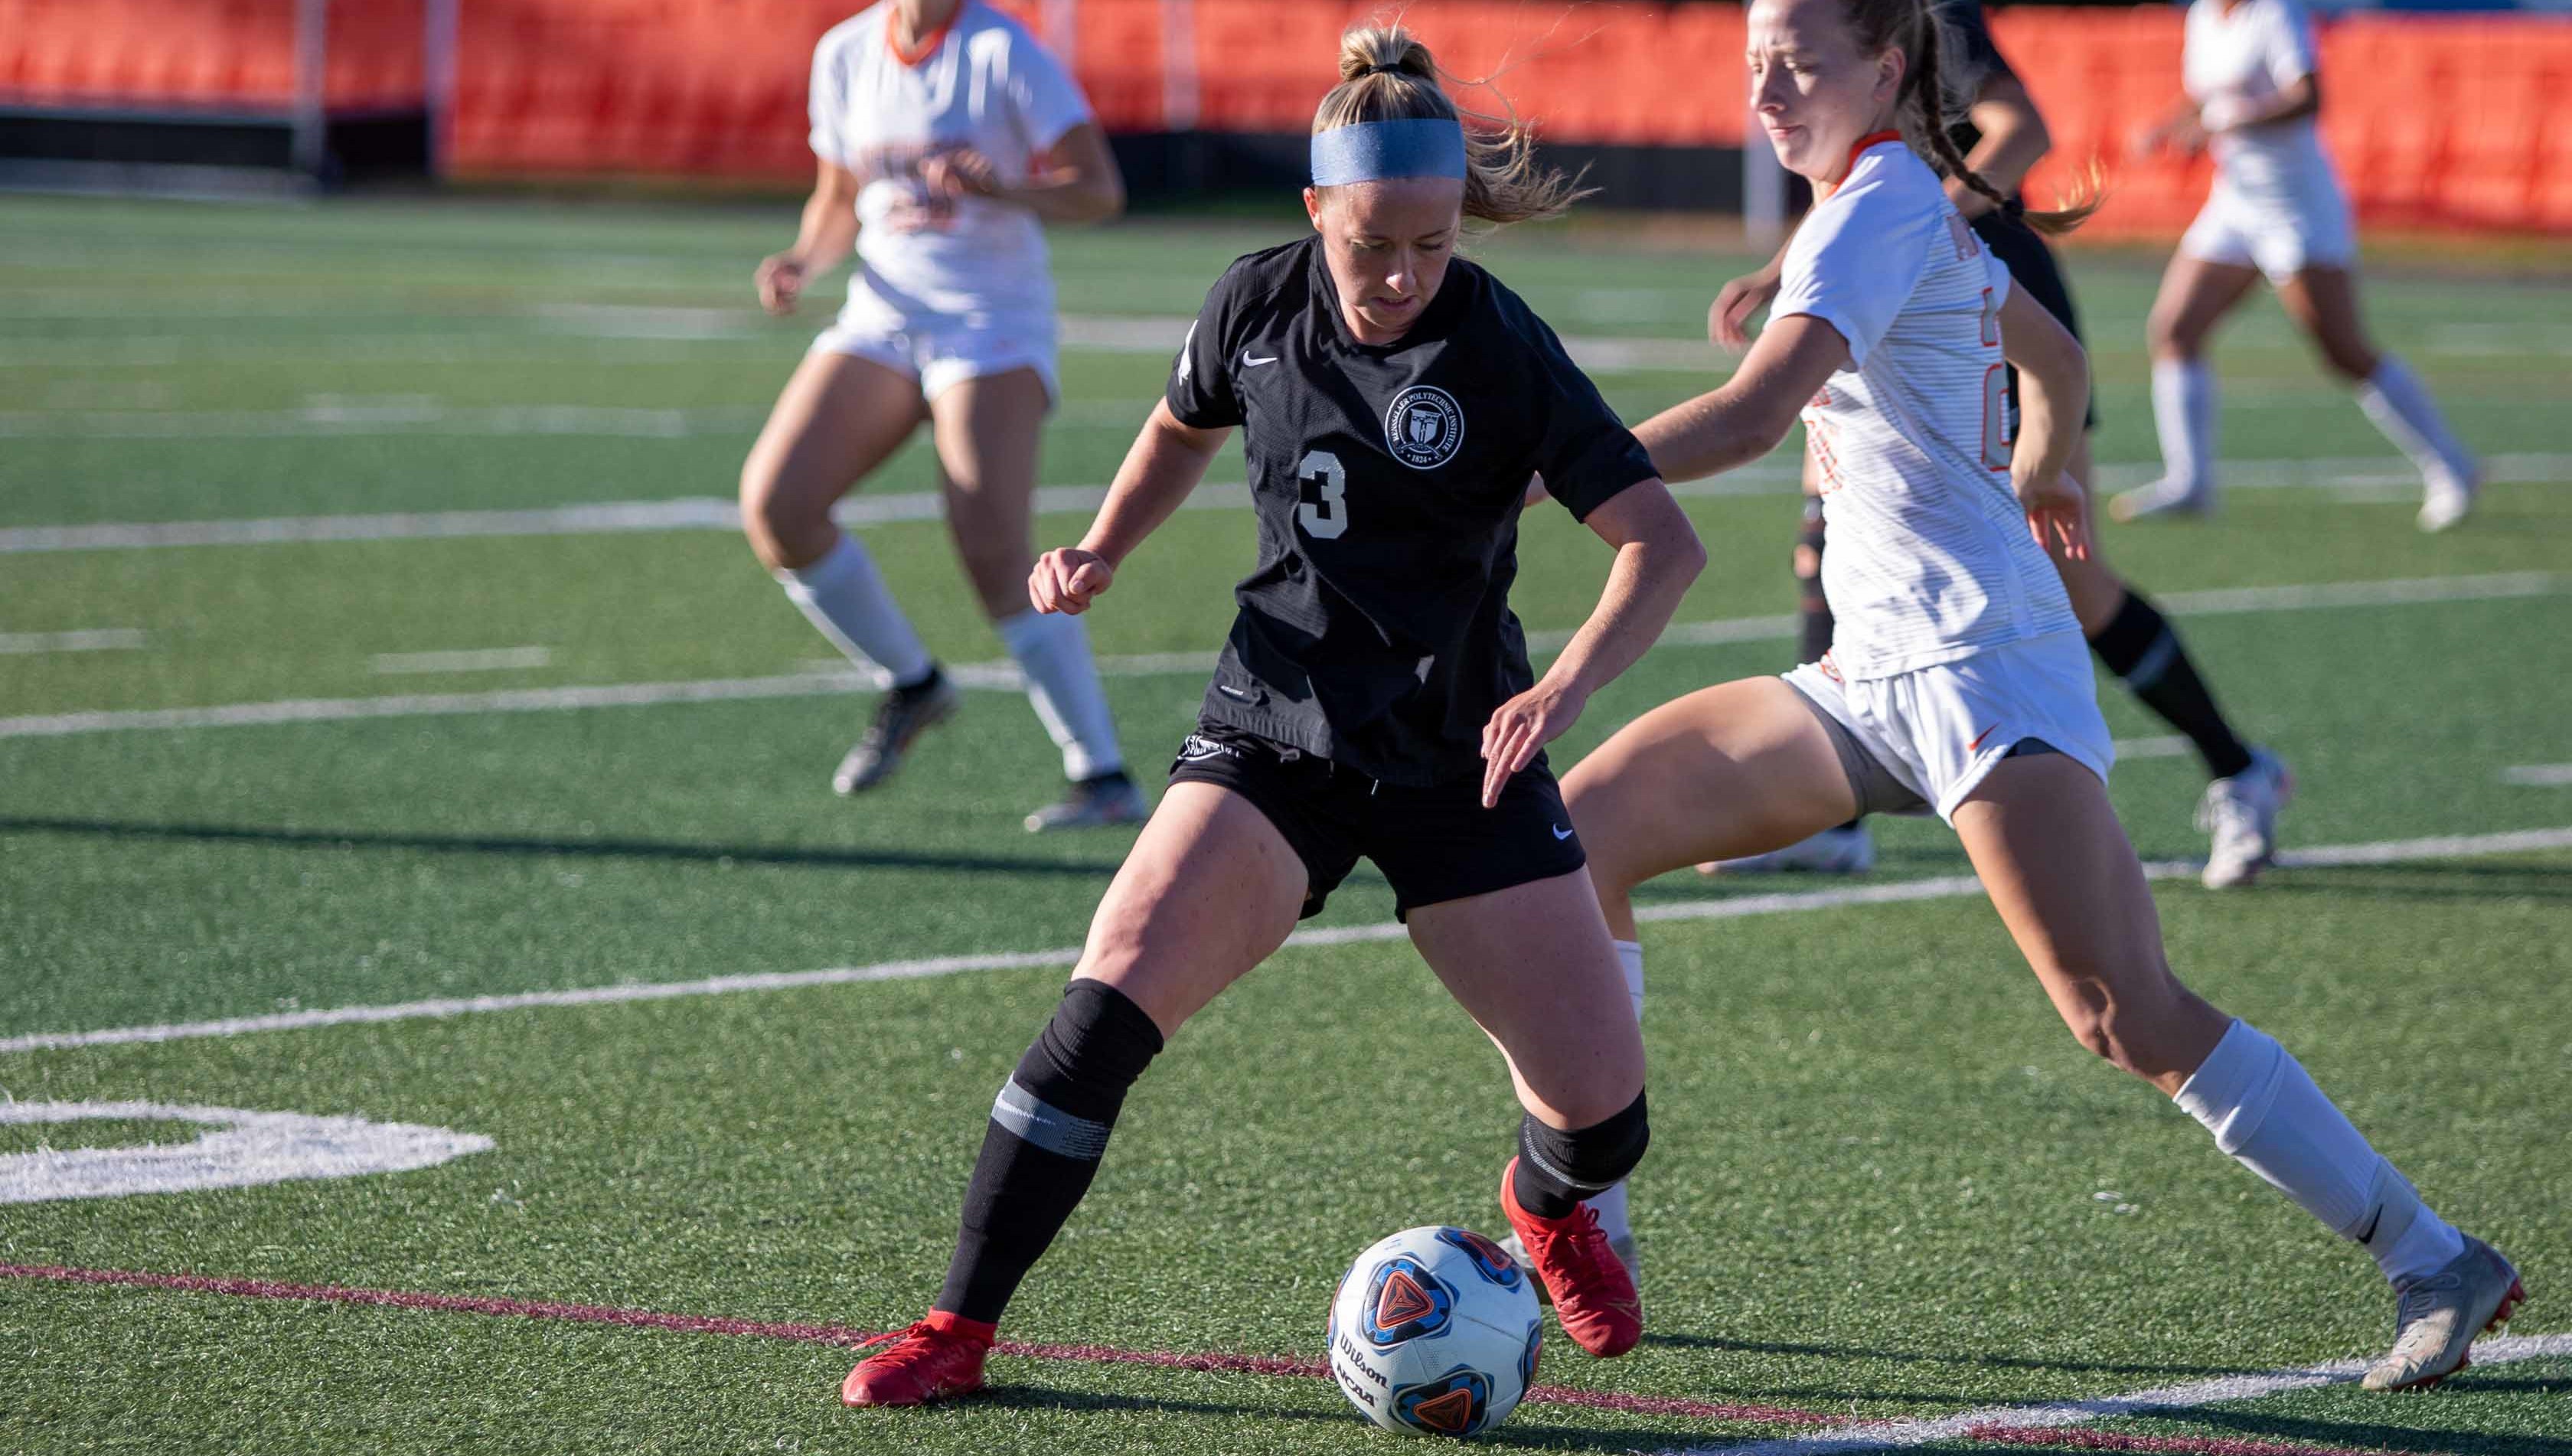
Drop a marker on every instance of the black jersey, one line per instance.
(1975, 60)
(1376, 630)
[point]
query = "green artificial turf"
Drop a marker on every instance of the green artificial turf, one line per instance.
(1876, 1177)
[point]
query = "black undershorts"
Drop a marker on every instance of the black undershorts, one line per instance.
(1433, 844)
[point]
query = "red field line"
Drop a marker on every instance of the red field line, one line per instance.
(2075, 1440)
(837, 1334)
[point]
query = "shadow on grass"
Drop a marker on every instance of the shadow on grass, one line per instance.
(601, 848)
(2312, 1430)
(1856, 1353)
(1526, 1429)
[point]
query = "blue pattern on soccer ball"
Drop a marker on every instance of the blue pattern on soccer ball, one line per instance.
(1490, 1260)
(1422, 1301)
(1527, 1358)
(1454, 1404)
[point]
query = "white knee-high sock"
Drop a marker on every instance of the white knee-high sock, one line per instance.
(845, 595)
(2401, 406)
(2263, 1107)
(1052, 652)
(1615, 1219)
(2184, 417)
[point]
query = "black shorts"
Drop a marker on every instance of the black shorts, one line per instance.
(1435, 844)
(2031, 268)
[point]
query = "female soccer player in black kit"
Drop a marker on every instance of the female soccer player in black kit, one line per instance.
(1374, 699)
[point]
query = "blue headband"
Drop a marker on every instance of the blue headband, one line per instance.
(1376, 151)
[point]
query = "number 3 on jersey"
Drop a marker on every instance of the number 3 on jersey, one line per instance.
(1326, 517)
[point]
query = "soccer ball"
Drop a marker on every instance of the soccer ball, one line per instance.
(1435, 1332)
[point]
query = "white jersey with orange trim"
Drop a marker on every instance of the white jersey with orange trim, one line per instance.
(982, 82)
(2241, 56)
(1930, 559)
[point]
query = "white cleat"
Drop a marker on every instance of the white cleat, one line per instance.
(2163, 497)
(2242, 813)
(2448, 499)
(2438, 1317)
(1847, 850)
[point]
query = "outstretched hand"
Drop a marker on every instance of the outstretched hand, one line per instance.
(2057, 515)
(1729, 322)
(1069, 579)
(1520, 728)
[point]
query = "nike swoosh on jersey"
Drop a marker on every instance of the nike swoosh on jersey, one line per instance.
(1977, 739)
(1254, 362)
(1561, 832)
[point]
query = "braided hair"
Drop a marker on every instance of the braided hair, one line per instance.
(1924, 108)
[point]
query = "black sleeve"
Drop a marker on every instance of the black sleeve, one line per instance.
(1200, 391)
(1587, 455)
(1978, 59)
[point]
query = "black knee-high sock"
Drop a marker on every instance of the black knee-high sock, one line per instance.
(2139, 645)
(1557, 1167)
(1811, 607)
(1048, 1132)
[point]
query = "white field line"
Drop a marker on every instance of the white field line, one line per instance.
(1894, 1435)
(317, 421)
(2360, 479)
(1003, 676)
(489, 659)
(1950, 886)
(2539, 775)
(96, 639)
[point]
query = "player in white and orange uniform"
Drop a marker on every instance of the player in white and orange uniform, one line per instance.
(1959, 681)
(2252, 73)
(944, 136)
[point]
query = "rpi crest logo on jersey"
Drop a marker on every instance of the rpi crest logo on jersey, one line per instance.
(1404, 1302)
(1424, 427)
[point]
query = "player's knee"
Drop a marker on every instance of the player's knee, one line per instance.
(1075, 1076)
(2168, 338)
(786, 527)
(1588, 1160)
(2352, 361)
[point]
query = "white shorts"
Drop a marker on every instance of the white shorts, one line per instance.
(942, 351)
(1937, 731)
(2280, 236)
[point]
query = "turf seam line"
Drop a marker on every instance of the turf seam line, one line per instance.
(1004, 676)
(862, 510)
(842, 1335)
(2377, 852)
(2023, 1426)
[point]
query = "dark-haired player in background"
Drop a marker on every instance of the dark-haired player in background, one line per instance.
(2001, 135)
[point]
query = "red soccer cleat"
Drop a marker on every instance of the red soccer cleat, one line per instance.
(938, 1357)
(1594, 1297)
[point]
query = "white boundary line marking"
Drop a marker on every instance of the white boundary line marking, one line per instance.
(1003, 676)
(1890, 1435)
(489, 659)
(2368, 478)
(96, 639)
(1949, 887)
(2539, 775)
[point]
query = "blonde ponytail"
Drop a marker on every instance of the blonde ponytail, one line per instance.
(1386, 73)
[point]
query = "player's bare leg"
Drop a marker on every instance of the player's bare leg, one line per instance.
(838, 420)
(1841, 849)
(2195, 296)
(988, 430)
(1534, 966)
(2060, 870)
(2323, 302)
(1211, 889)
(1727, 771)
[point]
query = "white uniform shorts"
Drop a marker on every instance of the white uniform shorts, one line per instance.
(2281, 237)
(1927, 738)
(942, 351)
